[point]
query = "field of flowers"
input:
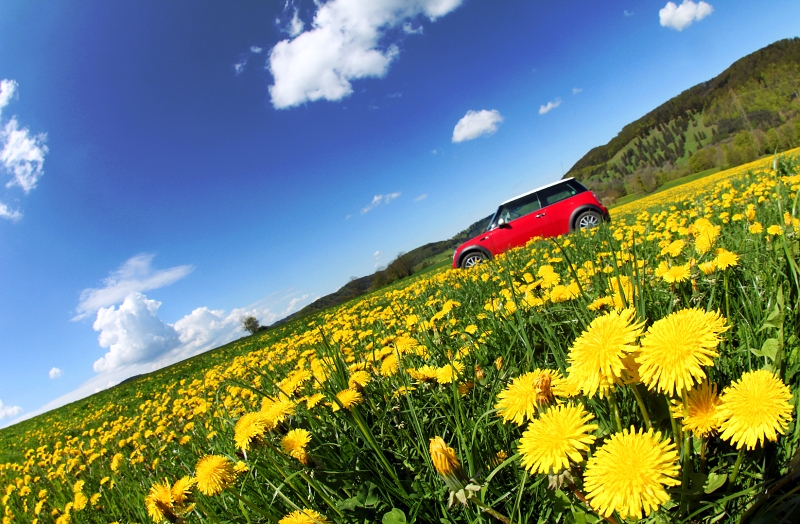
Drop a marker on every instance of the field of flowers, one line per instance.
(644, 370)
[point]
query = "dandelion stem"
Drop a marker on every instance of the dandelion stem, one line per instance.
(736, 467)
(610, 519)
(612, 399)
(642, 407)
(675, 431)
(491, 511)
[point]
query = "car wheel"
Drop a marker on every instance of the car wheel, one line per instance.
(588, 220)
(472, 259)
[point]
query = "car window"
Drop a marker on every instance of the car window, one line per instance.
(557, 193)
(519, 207)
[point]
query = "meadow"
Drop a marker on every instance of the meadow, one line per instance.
(645, 370)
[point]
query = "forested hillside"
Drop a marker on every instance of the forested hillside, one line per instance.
(751, 109)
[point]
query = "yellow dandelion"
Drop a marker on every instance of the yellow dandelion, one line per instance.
(520, 399)
(600, 303)
(595, 359)
(556, 438)
(249, 427)
(159, 502)
(447, 374)
(674, 248)
(348, 398)
(313, 400)
(677, 274)
(708, 267)
(726, 259)
(403, 391)
(214, 474)
(276, 411)
(294, 444)
(754, 409)
(358, 380)
(756, 228)
(80, 501)
(676, 347)
(775, 230)
(423, 374)
(182, 489)
(443, 457)
(702, 418)
(390, 365)
(628, 474)
(304, 516)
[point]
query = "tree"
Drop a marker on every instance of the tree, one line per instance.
(251, 324)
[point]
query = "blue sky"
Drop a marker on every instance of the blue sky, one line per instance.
(171, 166)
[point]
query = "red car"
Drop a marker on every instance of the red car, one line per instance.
(549, 211)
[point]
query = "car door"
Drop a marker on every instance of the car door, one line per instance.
(523, 221)
(558, 205)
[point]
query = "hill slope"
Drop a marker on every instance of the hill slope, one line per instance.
(750, 109)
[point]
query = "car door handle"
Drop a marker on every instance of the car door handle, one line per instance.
(540, 215)
(484, 238)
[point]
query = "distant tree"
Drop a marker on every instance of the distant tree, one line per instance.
(701, 160)
(251, 324)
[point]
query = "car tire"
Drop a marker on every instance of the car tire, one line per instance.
(588, 219)
(472, 259)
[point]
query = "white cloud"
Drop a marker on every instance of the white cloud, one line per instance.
(8, 213)
(295, 25)
(9, 411)
(136, 274)
(292, 306)
(678, 17)
(377, 254)
(408, 29)
(475, 124)
(55, 373)
(627, 13)
(422, 197)
(255, 49)
(346, 41)
(8, 88)
(576, 90)
(378, 200)
(239, 67)
(549, 106)
(434, 151)
(133, 333)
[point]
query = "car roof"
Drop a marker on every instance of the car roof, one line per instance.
(537, 189)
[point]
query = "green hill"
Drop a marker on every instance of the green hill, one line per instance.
(750, 109)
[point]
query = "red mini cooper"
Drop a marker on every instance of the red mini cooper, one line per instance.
(549, 211)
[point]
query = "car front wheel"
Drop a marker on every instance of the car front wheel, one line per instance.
(588, 220)
(472, 259)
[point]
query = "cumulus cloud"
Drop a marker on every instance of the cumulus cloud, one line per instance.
(576, 90)
(627, 13)
(678, 17)
(21, 152)
(408, 29)
(9, 411)
(55, 373)
(378, 200)
(422, 197)
(347, 40)
(255, 49)
(549, 106)
(136, 274)
(133, 333)
(475, 124)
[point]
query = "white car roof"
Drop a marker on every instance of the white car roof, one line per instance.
(535, 190)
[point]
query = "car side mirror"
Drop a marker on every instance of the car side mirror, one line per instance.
(502, 223)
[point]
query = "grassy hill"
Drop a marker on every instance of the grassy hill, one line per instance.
(750, 109)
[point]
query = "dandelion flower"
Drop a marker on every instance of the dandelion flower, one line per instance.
(249, 428)
(708, 267)
(80, 500)
(674, 248)
(313, 400)
(159, 502)
(754, 409)
(182, 489)
(348, 398)
(447, 465)
(294, 443)
(756, 228)
(423, 374)
(702, 418)
(276, 411)
(726, 259)
(304, 516)
(628, 473)
(775, 230)
(677, 274)
(447, 374)
(595, 359)
(358, 380)
(555, 438)
(214, 474)
(525, 394)
(675, 348)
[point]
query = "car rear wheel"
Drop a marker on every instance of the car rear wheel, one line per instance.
(588, 220)
(472, 259)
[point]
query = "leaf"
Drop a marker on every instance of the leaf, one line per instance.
(768, 350)
(396, 516)
(714, 482)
